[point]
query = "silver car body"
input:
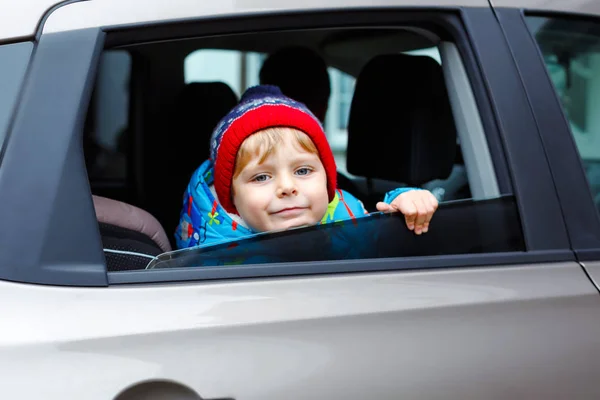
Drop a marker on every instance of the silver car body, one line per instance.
(528, 331)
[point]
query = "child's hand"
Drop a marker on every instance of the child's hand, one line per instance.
(417, 206)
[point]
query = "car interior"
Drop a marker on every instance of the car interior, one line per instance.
(410, 123)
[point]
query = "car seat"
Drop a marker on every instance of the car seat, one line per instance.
(131, 237)
(401, 127)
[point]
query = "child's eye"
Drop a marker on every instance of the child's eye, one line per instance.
(261, 178)
(303, 171)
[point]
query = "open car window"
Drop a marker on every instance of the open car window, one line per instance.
(409, 120)
(461, 227)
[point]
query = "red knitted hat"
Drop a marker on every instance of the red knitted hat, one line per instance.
(263, 107)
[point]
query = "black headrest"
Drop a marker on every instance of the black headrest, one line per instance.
(401, 126)
(196, 112)
(198, 109)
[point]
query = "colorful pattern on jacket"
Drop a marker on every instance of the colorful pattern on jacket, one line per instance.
(204, 222)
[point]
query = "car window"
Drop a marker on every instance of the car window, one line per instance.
(238, 69)
(571, 51)
(14, 59)
(382, 149)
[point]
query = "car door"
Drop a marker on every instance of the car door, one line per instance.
(505, 311)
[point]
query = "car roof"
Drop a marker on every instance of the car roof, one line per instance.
(22, 18)
(591, 7)
(117, 12)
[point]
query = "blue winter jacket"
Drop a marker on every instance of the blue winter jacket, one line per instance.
(203, 222)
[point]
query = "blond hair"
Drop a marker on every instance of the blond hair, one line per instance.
(264, 142)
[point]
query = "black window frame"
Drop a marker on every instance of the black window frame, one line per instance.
(70, 253)
(581, 216)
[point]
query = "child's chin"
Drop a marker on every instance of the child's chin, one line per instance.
(294, 225)
(299, 226)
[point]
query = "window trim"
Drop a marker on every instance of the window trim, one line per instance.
(47, 182)
(475, 151)
(581, 217)
(533, 184)
(281, 270)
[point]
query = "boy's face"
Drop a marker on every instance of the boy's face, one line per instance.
(288, 190)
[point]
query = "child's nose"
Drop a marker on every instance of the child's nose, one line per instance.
(286, 187)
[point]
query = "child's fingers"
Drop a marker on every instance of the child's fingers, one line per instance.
(381, 206)
(422, 210)
(409, 209)
(426, 223)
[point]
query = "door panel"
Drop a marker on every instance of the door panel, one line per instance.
(502, 332)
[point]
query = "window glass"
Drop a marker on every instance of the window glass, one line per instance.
(432, 52)
(379, 236)
(14, 59)
(238, 69)
(571, 51)
(345, 89)
(336, 121)
(106, 132)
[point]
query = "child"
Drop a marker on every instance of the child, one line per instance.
(271, 168)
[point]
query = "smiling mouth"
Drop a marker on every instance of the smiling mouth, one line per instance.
(291, 211)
